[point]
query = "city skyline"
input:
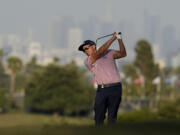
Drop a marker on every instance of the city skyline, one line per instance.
(16, 16)
(58, 29)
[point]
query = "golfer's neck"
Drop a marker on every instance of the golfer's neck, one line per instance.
(93, 52)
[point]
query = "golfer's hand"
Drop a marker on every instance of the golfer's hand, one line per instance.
(118, 35)
(114, 36)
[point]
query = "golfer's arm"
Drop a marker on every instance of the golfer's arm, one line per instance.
(102, 49)
(122, 52)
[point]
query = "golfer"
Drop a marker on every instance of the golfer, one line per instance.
(102, 64)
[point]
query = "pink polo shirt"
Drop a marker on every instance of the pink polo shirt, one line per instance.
(104, 69)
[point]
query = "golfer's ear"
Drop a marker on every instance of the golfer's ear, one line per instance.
(94, 46)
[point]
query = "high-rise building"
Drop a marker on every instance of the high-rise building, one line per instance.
(90, 28)
(67, 23)
(176, 60)
(11, 43)
(58, 29)
(54, 33)
(151, 28)
(107, 24)
(169, 43)
(156, 52)
(28, 39)
(74, 38)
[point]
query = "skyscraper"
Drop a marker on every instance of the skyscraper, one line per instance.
(90, 28)
(169, 43)
(58, 28)
(151, 28)
(74, 38)
(54, 32)
(107, 25)
(67, 24)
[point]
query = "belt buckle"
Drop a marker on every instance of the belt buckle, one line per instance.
(102, 86)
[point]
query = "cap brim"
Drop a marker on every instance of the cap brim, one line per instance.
(81, 47)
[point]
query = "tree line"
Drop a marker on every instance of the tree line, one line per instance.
(54, 88)
(66, 89)
(146, 80)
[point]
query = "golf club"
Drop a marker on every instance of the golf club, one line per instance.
(106, 36)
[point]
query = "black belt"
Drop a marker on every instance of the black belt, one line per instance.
(109, 85)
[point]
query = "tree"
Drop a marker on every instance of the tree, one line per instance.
(56, 60)
(144, 60)
(2, 100)
(4, 78)
(1, 61)
(4, 81)
(61, 89)
(177, 72)
(145, 65)
(14, 65)
(31, 67)
(130, 71)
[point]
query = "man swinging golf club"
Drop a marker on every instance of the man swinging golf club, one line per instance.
(101, 62)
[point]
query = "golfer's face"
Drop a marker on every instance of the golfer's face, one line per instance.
(88, 49)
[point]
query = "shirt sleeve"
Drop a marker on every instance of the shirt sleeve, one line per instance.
(88, 63)
(111, 53)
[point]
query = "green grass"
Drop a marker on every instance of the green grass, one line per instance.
(15, 119)
(19, 123)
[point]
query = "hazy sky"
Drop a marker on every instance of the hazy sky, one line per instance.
(17, 15)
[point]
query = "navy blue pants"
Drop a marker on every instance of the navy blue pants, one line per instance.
(108, 98)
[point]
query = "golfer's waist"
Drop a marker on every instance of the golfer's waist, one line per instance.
(109, 85)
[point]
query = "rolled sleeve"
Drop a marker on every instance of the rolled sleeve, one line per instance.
(88, 63)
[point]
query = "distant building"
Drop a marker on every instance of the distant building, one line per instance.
(90, 28)
(74, 40)
(14, 41)
(58, 32)
(156, 52)
(169, 43)
(161, 63)
(151, 28)
(35, 51)
(54, 33)
(11, 45)
(176, 60)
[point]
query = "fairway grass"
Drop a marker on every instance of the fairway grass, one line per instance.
(19, 123)
(24, 119)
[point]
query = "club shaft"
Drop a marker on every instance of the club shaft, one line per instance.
(106, 36)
